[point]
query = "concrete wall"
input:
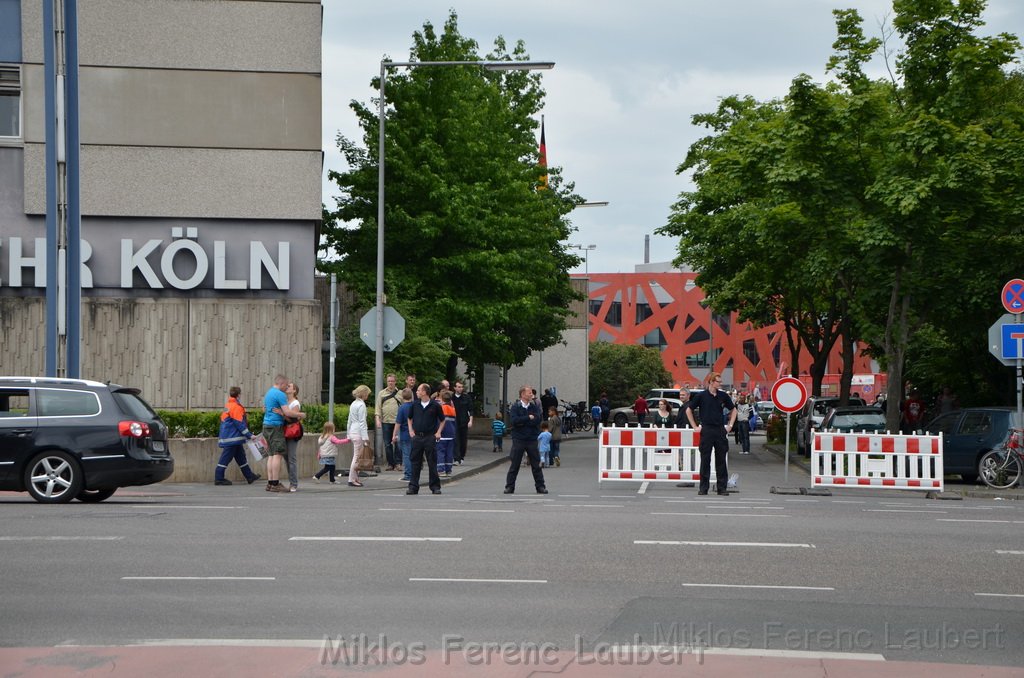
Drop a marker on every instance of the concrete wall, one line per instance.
(183, 353)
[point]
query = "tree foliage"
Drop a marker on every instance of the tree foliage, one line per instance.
(624, 371)
(858, 209)
(472, 247)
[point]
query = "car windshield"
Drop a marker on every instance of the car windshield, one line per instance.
(859, 420)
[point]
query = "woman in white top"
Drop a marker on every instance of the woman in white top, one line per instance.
(743, 408)
(357, 430)
(293, 411)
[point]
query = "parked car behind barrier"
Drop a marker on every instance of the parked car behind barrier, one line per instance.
(854, 420)
(969, 433)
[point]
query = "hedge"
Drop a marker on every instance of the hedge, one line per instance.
(196, 424)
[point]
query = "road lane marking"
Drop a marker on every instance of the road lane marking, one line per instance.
(643, 487)
(375, 539)
(725, 515)
(597, 505)
(761, 586)
(1011, 553)
(792, 654)
(574, 496)
(54, 538)
(481, 581)
(175, 506)
(199, 578)
(723, 543)
(1001, 595)
(848, 501)
(975, 520)
(900, 511)
(440, 510)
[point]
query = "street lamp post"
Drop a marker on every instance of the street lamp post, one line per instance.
(378, 368)
(586, 249)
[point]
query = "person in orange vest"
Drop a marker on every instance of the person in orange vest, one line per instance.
(234, 431)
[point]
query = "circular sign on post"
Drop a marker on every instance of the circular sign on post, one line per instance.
(789, 394)
(1013, 296)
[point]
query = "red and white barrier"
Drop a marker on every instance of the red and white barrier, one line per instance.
(912, 462)
(649, 454)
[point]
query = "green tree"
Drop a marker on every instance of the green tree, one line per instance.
(625, 370)
(859, 208)
(472, 247)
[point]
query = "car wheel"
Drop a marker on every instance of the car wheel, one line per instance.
(621, 419)
(53, 478)
(94, 496)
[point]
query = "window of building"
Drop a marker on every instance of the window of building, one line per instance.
(10, 101)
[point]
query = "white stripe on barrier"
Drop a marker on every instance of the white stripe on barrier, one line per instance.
(876, 460)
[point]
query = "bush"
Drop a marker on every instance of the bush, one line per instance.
(776, 430)
(196, 424)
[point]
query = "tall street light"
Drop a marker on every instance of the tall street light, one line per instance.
(384, 66)
(586, 249)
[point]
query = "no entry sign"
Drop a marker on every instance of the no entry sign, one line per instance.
(789, 394)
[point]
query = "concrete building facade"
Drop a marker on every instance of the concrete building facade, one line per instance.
(201, 161)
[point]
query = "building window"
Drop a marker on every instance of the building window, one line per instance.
(10, 101)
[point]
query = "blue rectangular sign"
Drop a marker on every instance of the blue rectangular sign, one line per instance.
(1013, 339)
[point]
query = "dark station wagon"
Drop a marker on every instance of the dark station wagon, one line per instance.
(62, 439)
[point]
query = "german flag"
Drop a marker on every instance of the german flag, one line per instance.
(543, 162)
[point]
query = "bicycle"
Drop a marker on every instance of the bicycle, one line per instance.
(1002, 467)
(581, 420)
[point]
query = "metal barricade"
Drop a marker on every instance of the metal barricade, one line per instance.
(908, 462)
(649, 454)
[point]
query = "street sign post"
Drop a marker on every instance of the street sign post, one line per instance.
(1006, 336)
(789, 395)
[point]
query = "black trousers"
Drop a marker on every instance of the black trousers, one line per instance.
(713, 438)
(529, 447)
(391, 453)
(461, 438)
(423, 445)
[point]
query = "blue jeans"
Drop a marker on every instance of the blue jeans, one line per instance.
(406, 447)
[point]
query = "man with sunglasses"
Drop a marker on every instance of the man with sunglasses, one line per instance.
(714, 431)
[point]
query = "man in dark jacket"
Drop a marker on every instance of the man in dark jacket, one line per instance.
(463, 403)
(524, 423)
(714, 432)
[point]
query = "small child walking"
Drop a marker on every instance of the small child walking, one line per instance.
(327, 451)
(544, 444)
(555, 424)
(497, 432)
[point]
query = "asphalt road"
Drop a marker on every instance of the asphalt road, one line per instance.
(869, 575)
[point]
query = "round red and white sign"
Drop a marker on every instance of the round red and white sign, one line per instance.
(789, 394)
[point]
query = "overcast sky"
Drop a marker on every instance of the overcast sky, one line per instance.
(628, 77)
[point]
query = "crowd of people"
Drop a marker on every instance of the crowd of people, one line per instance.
(420, 425)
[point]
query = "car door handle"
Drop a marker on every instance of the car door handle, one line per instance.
(21, 431)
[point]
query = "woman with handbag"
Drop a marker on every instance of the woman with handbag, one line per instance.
(293, 416)
(357, 431)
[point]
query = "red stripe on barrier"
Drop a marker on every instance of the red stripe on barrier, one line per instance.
(626, 474)
(863, 444)
(888, 482)
(650, 438)
(935, 445)
(863, 481)
(913, 483)
(888, 445)
(839, 481)
(625, 438)
(913, 445)
(604, 437)
(838, 444)
(675, 438)
(604, 474)
(650, 475)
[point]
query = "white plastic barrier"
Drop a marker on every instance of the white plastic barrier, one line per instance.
(649, 454)
(911, 462)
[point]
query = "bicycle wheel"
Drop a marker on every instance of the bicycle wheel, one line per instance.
(586, 421)
(999, 469)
